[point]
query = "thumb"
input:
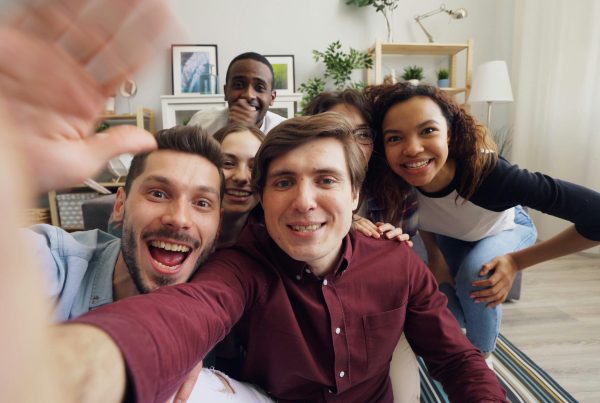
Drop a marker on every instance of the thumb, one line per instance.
(119, 140)
(486, 268)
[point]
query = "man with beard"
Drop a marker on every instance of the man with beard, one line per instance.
(170, 210)
(249, 93)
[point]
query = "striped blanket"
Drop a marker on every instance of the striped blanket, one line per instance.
(522, 379)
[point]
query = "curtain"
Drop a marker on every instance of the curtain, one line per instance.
(556, 75)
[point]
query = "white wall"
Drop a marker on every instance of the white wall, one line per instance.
(297, 27)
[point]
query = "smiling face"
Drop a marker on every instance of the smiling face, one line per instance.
(415, 138)
(239, 149)
(170, 218)
(361, 130)
(308, 201)
(250, 82)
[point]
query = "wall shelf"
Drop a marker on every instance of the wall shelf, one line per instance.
(452, 51)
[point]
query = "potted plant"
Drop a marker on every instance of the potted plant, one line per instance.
(385, 7)
(338, 68)
(443, 76)
(413, 74)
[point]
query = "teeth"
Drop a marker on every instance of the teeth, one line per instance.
(170, 246)
(306, 228)
(414, 165)
(165, 267)
(239, 193)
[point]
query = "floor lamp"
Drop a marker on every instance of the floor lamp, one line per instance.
(491, 84)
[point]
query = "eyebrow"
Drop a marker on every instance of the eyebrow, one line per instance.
(321, 171)
(420, 125)
(163, 180)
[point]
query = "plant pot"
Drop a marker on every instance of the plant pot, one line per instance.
(444, 83)
(414, 82)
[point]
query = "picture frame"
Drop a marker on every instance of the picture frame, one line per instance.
(284, 73)
(191, 69)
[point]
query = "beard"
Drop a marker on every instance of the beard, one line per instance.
(129, 247)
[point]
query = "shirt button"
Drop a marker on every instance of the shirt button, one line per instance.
(330, 391)
(338, 330)
(324, 282)
(298, 277)
(307, 271)
(342, 374)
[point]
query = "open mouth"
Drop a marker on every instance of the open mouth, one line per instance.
(168, 256)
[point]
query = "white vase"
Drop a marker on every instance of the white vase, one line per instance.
(414, 82)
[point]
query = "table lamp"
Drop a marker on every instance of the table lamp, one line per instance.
(457, 14)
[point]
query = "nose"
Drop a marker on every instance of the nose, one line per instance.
(241, 174)
(412, 146)
(248, 93)
(305, 198)
(177, 215)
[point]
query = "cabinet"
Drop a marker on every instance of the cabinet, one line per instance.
(452, 51)
(65, 204)
(178, 109)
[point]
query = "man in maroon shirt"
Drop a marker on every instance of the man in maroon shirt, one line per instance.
(319, 308)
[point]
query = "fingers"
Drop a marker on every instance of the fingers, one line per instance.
(241, 111)
(113, 38)
(184, 392)
(365, 226)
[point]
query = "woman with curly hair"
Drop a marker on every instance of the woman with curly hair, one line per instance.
(477, 234)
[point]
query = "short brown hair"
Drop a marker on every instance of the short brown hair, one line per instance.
(300, 130)
(185, 139)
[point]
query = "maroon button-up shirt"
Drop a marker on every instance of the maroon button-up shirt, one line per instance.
(307, 338)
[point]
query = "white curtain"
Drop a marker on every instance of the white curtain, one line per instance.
(556, 77)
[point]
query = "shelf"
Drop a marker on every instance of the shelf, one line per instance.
(451, 50)
(421, 48)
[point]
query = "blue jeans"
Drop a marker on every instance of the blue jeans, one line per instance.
(465, 260)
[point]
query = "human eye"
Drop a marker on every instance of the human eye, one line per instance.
(228, 164)
(237, 85)
(260, 87)
(429, 130)
(203, 203)
(328, 181)
(392, 139)
(157, 194)
(282, 183)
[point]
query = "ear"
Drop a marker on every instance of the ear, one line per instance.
(355, 199)
(273, 96)
(119, 207)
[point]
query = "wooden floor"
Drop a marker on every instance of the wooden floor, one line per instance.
(557, 322)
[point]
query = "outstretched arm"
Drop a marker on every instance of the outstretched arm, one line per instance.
(59, 59)
(506, 267)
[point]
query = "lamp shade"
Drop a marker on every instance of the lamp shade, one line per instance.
(491, 83)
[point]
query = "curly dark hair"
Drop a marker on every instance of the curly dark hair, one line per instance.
(470, 144)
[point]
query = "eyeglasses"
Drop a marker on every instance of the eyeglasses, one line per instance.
(363, 135)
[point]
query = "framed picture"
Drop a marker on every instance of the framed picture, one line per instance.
(195, 69)
(286, 109)
(283, 69)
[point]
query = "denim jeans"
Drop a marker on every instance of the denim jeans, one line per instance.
(465, 260)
